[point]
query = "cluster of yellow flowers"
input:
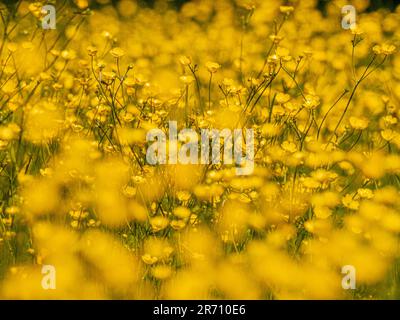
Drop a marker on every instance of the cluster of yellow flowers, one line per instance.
(77, 193)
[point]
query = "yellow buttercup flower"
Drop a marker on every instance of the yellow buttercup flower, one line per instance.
(182, 212)
(212, 66)
(117, 52)
(359, 123)
(311, 102)
(286, 9)
(384, 49)
(159, 223)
